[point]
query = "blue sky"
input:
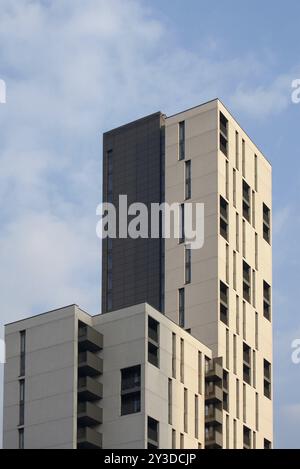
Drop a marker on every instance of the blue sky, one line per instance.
(76, 68)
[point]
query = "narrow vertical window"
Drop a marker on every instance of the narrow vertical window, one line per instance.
(188, 180)
(181, 441)
(244, 321)
(246, 282)
(200, 372)
(267, 300)
(237, 307)
(224, 315)
(247, 363)
(257, 411)
(235, 434)
(266, 224)
(223, 134)
(224, 218)
(256, 331)
(173, 355)
(185, 405)
(227, 350)
(256, 172)
(246, 201)
(244, 238)
(153, 341)
(227, 179)
(256, 251)
(181, 140)
(153, 433)
(196, 417)
(22, 402)
(188, 265)
(109, 166)
(227, 263)
(244, 403)
(267, 379)
(131, 390)
(253, 210)
(21, 438)
(234, 354)
(234, 270)
(254, 368)
(237, 399)
(181, 307)
(244, 158)
(237, 151)
(237, 227)
(182, 360)
(170, 401)
(173, 439)
(22, 352)
(247, 438)
(227, 432)
(181, 225)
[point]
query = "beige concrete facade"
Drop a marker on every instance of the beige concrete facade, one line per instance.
(215, 174)
(51, 380)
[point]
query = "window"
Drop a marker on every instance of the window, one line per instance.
(266, 224)
(237, 151)
(181, 306)
(22, 402)
(227, 350)
(234, 434)
(237, 314)
(237, 399)
(234, 354)
(267, 301)
(237, 233)
(227, 263)
(224, 218)
(188, 265)
(247, 438)
(256, 251)
(227, 180)
(22, 352)
(173, 355)
(225, 391)
(196, 416)
(181, 140)
(267, 379)
(153, 341)
(256, 331)
(200, 372)
(246, 201)
(182, 360)
(267, 444)
(234, 270)
(254, 368)
(246, 282)
(243, 157)
(170, 401)
(256, 411)
(153, 433)
(188, 180)
(254, 288)
(244, 403)
(185, 410)
(256, 172)
(244, 238)
(246, 363)
(244, 320)
(181, 225)
(109, 163)
(224, 303)
(253, 210)
(223, 134)
(131, 390)
(21, 438)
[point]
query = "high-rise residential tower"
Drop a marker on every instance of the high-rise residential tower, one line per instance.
(193, 369)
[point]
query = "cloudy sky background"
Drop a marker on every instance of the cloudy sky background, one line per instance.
(76, 68)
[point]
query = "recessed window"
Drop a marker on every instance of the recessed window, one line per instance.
(267, 444)
(247, 438)
(267, 379)
(153, 433)
(246, 282)
(223, 134)
(224, 218)
(109, 164)
(153, 341)
(188, 265)
(247, 363)
(181, 155)
(181, 224)
(267, 301)
(22, 352)
(22, 402)
(188, 180)
(131, 390)
(181, 306)
(21, 438)
(246, 201)
(224, 303)
(266, 224)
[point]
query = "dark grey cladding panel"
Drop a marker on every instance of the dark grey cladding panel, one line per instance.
(137, 172)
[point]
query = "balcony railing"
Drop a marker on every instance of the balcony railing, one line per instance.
(214, 439)
(89, 339)
(89, 389)
(89, 414)
(214, 417)
(89, 364)
(87, 438)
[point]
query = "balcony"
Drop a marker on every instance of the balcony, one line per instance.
(89, 389)
(89, 414)
(214, 372)
(213, 394)
(213, 440)
(87, 438)
(89, 364)
(214, 417)
(89, 339)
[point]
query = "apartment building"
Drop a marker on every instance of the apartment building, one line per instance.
(211, 308)
(129, 379)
